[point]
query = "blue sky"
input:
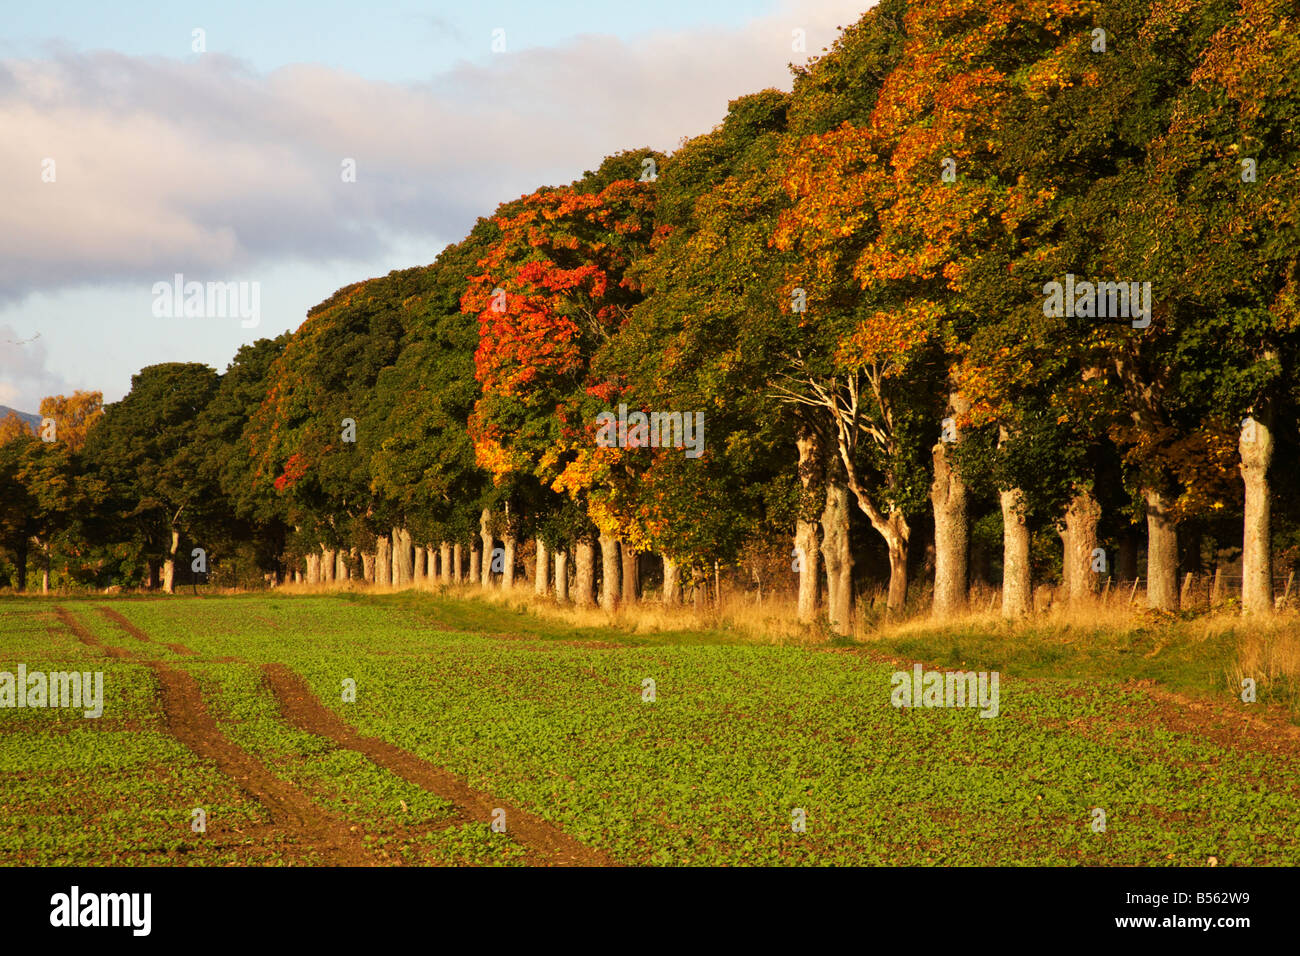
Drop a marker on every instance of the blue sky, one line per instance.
(397, 42)
(129, 158)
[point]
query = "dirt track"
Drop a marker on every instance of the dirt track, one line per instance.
(547, 844)
(189, 722)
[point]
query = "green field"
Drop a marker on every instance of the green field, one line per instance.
(551, 720)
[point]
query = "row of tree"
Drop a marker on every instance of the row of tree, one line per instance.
(997, 283)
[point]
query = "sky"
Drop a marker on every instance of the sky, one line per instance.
(295, 148)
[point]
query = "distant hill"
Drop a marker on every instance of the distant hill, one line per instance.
(33, 420)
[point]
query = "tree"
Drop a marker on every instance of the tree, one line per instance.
(147, 453)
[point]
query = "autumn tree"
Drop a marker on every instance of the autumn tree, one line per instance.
(553, 289)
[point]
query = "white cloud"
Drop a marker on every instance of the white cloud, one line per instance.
(25, 376)
(206, 168)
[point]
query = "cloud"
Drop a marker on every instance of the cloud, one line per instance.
(24, 370)
(205, 167)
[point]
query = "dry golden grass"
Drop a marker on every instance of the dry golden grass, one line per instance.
(1270, 653)
(1266, 649)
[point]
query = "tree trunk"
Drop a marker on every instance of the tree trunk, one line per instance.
(540, 583)
(444, 562)
(383, 562)
(402, 566)
(421, 573)
(562, 576)
(169, 566)
(475, 562)
(508, 567)
(1257, 539)
(368, 567)
(609, 568)
(805, 533)
(1079, 540)
(326, 565)
(837, 557)
(584, 579)
(897, 542)
(458, 562)
(1016, 584)
(485, 569)
(1162, 553)
(671, 582)
(344, 572)
(407, 558)
(631, 575)
(809, 558)
(951, 526)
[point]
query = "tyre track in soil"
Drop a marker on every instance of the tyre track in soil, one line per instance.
(547, 845)
(189, 722)
(138, 634)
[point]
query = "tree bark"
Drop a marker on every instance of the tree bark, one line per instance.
(444, 562)
(805, 534)
(1016, 583)
(584, 579)
(897, 533)
(485, 568)
(609, 568)
(672, 582)
(368, 567)
(897, 542)
(631, 575)
(951, 526)
(1257, 535)
(169, 566)
(540, 583)
(1162, 553)
(508, 567)
(402, 564)
(383, 562)
(562, 575)
(458, 562)
(837, 557)
(1079, 540)
(327, 562)
(421, 572)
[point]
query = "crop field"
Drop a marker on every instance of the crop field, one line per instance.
(397, 729)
